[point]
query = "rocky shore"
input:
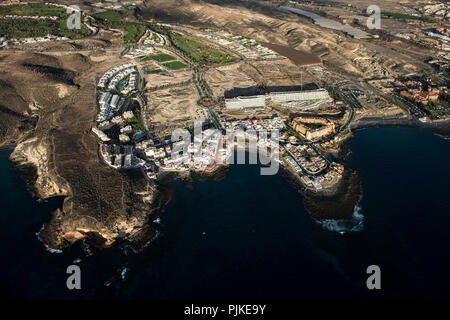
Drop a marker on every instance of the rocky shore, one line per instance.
(133, 229)
(218, 173)
(32, 156)
(103, 206)
(336, 202)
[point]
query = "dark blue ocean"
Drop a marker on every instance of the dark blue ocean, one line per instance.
(250, 237)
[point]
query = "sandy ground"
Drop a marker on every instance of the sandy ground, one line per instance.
(172, 108)
(154, 81)
(239, 75)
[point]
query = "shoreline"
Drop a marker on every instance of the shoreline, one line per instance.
(321, 205)
(370, 122)
(334, 203)
(338, 201)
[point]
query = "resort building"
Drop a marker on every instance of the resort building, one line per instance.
(240, 103)
(302, 100)
(313, 128)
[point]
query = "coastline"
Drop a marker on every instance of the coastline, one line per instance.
(368, 122)
(339, 201)
(335, 203)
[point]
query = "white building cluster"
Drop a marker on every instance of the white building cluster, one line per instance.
(132, 83)
(303, 100)
(250, 102)
(120, 157)
(255, 124)
(110, 101)
(246, 47)
(139, 53)
(13, 16)
(207, 150)
(32, 40)
(114, 82)
(108, 104)
(154, 38)
(100, 134)
(105, 79)
(312, 167)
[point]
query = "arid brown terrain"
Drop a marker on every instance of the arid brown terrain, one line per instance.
(262, 21)
(48, 105)
(54, 93)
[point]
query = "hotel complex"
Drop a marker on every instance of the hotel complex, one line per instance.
(301, 100)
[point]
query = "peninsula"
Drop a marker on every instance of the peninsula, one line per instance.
(91, 112)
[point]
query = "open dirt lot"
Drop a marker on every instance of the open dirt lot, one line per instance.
(171, 108)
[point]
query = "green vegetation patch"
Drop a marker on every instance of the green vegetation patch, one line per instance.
(134, 32)
(24, 28)
(33, 9)
(136, 124)
(434, 112)
(371, 38)
(162, 57)
(113, 20)
(174, 65)
(200, 52)
(153, 71)
(108, 16)
(396, 15)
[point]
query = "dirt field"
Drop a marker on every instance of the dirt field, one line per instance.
(172, 108)
(154, 81)
(239, 75)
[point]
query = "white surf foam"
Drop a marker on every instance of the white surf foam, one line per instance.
(123, 273)
(354, 224)
(45, 245)
(442, 136)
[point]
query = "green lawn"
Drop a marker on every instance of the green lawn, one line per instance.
(199, 52)
(162, 57)
(174, 65)
(136, 124)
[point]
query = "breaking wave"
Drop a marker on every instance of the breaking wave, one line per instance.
(123, 273)
(76, 260)
(43, 242)
(117, 278)
(157, 233)
(354, 224)
(442, 136)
